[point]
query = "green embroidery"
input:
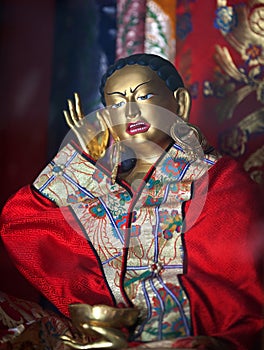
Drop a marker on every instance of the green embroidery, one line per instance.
(144, 275)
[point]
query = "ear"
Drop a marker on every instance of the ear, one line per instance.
(183, 99)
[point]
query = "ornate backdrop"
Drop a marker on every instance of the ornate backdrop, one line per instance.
(218, 47)
(51, 48)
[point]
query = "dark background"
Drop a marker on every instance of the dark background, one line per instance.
(48, 50)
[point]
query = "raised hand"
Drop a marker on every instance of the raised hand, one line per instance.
(91, 141)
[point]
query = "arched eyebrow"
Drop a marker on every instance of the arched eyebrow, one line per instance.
(124, 93)
(132, 91)
(116, 92)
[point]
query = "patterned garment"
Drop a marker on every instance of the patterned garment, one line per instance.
(79, 239)
(144, 225)
(26, 325)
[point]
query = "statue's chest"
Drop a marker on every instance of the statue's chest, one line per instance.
(139, 243)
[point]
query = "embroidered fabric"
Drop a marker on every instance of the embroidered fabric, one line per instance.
(136, 234)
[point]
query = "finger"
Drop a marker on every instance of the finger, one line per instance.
(104, 126)
(101, 121)
(105, 115)
(68, 119)
(78, 106)
(104, 119)
(73, 114)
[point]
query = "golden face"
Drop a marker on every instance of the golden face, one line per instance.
(141, 106)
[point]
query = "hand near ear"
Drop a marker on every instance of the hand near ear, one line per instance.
(91, 141)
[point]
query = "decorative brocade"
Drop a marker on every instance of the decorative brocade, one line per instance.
(130, 27)
(146, 26)
(140, 228)
(160, 29)
(243, 28)
(219, 276)
(224, 73)
(26, 325)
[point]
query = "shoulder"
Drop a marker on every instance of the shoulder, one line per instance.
(227, 176)
(229, 197)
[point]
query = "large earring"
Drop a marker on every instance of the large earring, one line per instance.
(182, 133)
(203, 142)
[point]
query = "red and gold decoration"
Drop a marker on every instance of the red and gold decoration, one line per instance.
(218, 49)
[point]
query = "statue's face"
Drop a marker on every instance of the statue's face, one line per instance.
(139, 101)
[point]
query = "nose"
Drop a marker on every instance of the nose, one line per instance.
(132, 110)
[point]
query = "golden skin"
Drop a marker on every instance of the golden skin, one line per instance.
(130, 91)
(136, 94)
(133, 94)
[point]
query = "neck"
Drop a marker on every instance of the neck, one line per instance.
(148, 151)
(140, 163)
(135, 175)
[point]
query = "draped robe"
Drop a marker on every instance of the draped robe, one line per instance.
(184, 247)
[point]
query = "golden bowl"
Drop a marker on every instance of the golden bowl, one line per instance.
(102, 316)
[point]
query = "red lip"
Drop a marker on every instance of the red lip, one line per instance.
(137, 128)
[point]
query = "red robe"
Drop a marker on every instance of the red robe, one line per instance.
(224, 255)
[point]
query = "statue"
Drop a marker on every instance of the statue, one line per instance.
(130, 104)
(140, 213)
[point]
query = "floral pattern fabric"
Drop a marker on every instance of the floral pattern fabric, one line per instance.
(139, 230)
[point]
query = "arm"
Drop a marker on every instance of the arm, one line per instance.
(224, 258)
(52, 252)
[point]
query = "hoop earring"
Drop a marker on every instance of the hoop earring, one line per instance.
(181, 132)
(206, 147)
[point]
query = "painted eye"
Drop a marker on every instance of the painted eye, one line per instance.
(118, 105)
(144, 97)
